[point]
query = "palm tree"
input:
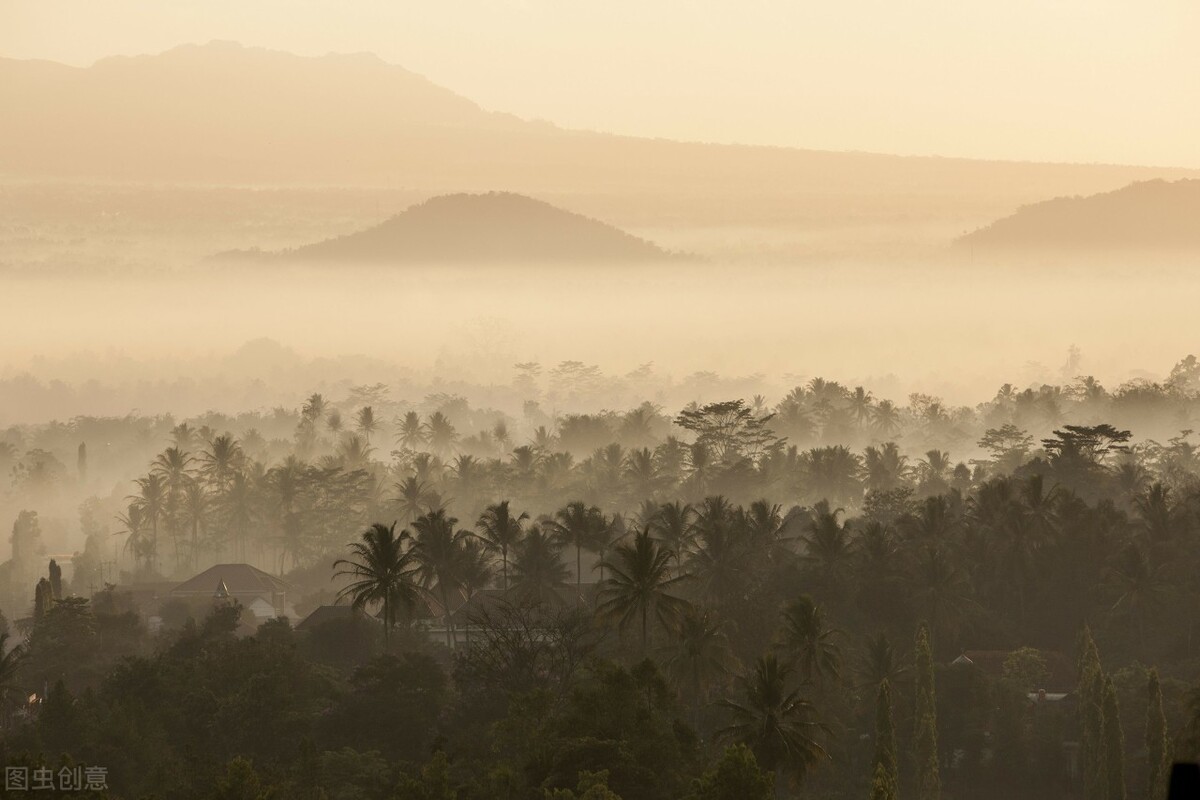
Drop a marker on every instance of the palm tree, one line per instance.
(672, 524)
(441, 559)
(575, 525)
(500, 530)
(151, 501)
(827, 543)
(538, 569)
(195, 509)
(699, 656)
(222, 458)
(775, 722)
(879, 663)
(639, 585)
(382, 571)
(410, 434)
(810, 641)
(412, 497)
(365, 422)
(440, 434)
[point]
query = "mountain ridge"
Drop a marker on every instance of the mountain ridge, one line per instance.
(1154, 214)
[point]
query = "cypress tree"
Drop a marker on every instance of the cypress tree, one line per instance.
(886, 768)
(1091, 697)
(43, 596)
(883, 786)
(1158, 759)
(1113, 775)
(55, 580)
(928, 780)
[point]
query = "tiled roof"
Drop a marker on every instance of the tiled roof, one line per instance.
(238, 579)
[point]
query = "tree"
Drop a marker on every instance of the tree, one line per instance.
(925, 747)
(56, 587)
(699, 656)
(1113, 779)
(729, 429)
(10, 663)
(441, 560)
(886, 765)
(577, 525)
(639, 584)
(500, 530)
(810, 642)
(735, 777)
(1158, 743)
(538, 568)
(774, 720)
(381, 571)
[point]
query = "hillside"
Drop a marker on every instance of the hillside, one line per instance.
(1154, 215)
(223, 114)
(481, 228)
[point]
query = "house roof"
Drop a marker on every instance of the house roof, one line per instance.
(238, 579)
(991, 662)
(323, 614)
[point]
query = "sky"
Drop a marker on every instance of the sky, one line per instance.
(1049, 80)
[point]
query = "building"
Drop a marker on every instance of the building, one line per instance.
(263, 595)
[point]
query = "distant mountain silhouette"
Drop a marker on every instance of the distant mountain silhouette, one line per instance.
(479, 228)
(1153, 215)
(223, 113)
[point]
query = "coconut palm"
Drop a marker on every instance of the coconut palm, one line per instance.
(576, 525)
(365, 422)
(381, 570)
(151, 501)
(538, 568)
(774, 720)
(638, 587)
(440, 434)
(500, 530)
(222, 458)
(412, 496)
(195, 511)
(810, 642)
(699, 656)
(441, 559)
(672, 524)
(410, 433)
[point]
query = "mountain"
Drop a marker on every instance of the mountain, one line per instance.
(1148, 215)
(481, 228)
(223, 114)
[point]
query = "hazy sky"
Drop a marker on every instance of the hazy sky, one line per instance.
(1076, 80)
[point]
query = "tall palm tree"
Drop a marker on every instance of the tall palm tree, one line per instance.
(809, 640)
(576, 525)
(410, 434)
(195, 510)
(382, 571)
(412, 496)
(639, 585)
(538, 568)
(500, 530)
(222, 458)
(699, 656)
(365, 422)
(442, 561)
(672, 524)
(151, 500)
(775, 721)
(440, 434)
